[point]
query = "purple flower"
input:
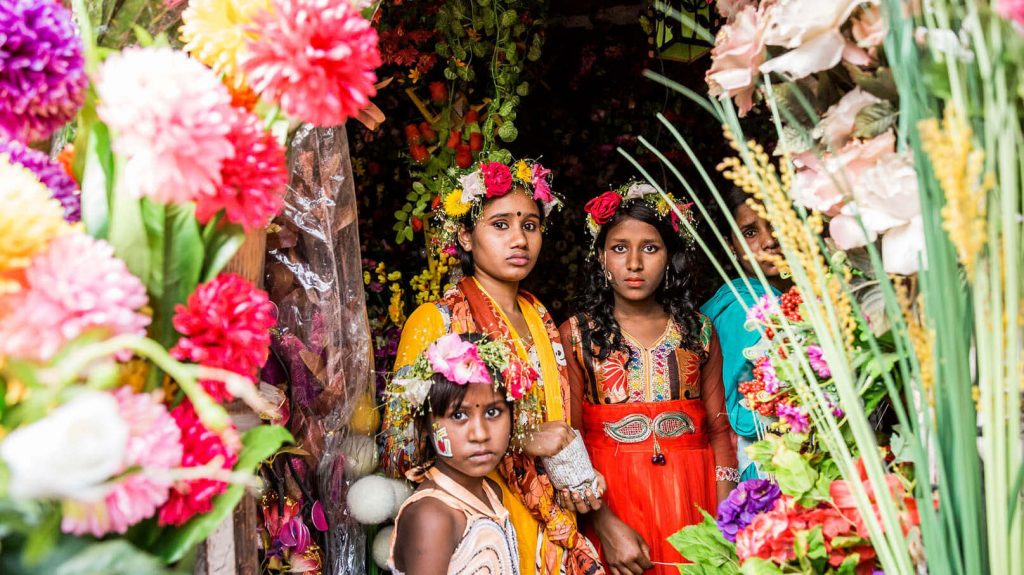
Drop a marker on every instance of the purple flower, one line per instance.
(746, 501)
(42, 73)
(817, 358)
(50, 173)
(793, 416)
(295, 534)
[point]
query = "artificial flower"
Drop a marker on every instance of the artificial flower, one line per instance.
(736, 57)
(200, 447)
(42, 72)
(457, 360)
(453, 204)
(1011, 10)
(841, 492)
(523, 171)
(824, 184)
(869, 27)
(253, 179)
(472, 187)
(497, 179)
(153, 446)
(838, 122)
(764, 371)
(50, 173)
(542, 188)
(603, 207)
(170, 116)
(793, 416)
(769, 535)
(810, 29)
(639, 190)
(903, 248)
(816, 357)
(295, 534)
(225, 324)
(70, 452)
(728, 9)
(518, 378)
(743, 504)
(29, 220)
(75, 286)
(413, 390)
(314, 57)
(214, 32)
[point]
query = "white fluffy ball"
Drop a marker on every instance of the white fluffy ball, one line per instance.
(372, 499)
(360, 456)
(402, 490)
(382, 547)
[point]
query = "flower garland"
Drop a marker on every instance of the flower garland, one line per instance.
(601, 209)
(464, 191)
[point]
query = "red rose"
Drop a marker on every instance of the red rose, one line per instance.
(497, 179)
(417, 224)
(412, 134)
(463, 156)
(428, 133)
(419, 153)
(602, 208)
(476, 141)
(454, 139)
(472, 116)
(438, 92)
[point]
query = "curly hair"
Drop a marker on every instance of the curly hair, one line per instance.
(594, 306)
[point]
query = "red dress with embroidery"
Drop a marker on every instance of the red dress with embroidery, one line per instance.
(654, 422)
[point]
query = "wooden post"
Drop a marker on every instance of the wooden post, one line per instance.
(233, 548)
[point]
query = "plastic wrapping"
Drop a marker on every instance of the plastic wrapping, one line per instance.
(322, 346)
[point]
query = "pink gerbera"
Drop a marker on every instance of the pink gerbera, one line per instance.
(226, 324)
(154, 446)
(75, 286)
(200, 448)
(253, 181)
(170, 116)
(315, 58)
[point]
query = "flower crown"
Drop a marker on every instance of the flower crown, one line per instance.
(464, 191)
(489, 361)
(601, 209)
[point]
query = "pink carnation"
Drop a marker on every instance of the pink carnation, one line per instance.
(817, 359)
(200, 448)
(225, 324)
(170, 116)
(252, 181)
(541, 187)
(769, 536)
(154, 446)
(315, 58)
(75, 286)
(497, 179)
(457, 360)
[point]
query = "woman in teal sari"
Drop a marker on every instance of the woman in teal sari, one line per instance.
(728, 315)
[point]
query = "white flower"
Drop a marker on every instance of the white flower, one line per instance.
(902, 246)
(70, 453)
(414, 390)
(472, 187)
(839, 121)
(639, 190)
(810, 28)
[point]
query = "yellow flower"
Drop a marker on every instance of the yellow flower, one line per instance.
(523, 171)
(366, 277)
(453, 204)
(394, 276)
(30, 218)
(214, 32)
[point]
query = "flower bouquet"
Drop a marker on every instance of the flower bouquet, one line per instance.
(121, 337)
(899, 134)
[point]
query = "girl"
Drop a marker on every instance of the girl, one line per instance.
(729, 315)
(458, 396)
(492, 219)
(645, 373)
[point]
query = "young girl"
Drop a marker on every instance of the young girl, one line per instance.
(458, 396)
(492, 218)
(645, 371)
(729, 315)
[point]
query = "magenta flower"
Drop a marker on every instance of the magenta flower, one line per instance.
(1011, 10)
(315, 58)
(457, 360)
(541, 187)
(497, 179)
(793, 416)
(50, 173)
(817, 359)
(767, 374)
(42, 72)
(766, 307)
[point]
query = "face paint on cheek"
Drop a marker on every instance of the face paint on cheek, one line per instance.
(442, 445)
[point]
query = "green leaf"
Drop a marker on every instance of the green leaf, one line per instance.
(115, 557)
(223, 246)
(180, 251)
(508, 18)
(258, 444)
(758, 566)
(793, 473)
(704, 545)
(97, 179)
(144, 38)
(42, 539)
(508, 132)
(127, 231)
(874, 119)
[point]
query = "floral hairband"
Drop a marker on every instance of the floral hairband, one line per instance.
(464, 191)
(601, 209)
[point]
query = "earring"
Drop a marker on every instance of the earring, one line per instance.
(666, 277)
(608, 279)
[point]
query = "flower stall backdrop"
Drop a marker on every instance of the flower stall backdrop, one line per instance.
(123, 340)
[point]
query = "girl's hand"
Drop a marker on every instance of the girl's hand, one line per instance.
(625, 550)
(550, 438)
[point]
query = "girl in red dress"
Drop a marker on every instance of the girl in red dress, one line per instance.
(645, 374)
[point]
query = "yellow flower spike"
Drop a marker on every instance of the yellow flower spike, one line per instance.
(523, 171)
(214, 32)
(454, 206)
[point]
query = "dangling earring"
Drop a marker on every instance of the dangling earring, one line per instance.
(607, 279)
(666, 277)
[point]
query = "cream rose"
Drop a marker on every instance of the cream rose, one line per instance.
(838, 122)
(810, 29)
(738, 52)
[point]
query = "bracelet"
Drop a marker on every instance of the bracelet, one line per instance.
(727, 474)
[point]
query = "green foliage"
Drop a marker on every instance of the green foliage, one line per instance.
(704, 545)
(782, 457)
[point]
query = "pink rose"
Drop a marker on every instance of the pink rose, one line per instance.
(811, 31)
(497, 179)
(738, 52)
(869, 28)
(728, 9)
(1011, 10)
(457, 360)
(823, 184)
(839, 120)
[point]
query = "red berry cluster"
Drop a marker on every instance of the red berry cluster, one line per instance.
(757, 398)
(417, 136)
(790, 304)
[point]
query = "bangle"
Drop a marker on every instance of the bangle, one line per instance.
(727, 474)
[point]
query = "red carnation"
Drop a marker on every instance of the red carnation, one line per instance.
(200, 446)
(226, 324)
(253, 181)
(602, 208)
(497, 179)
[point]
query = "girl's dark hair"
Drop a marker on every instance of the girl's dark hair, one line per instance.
(442, 397)
(596, 303)
(468, 222)
(735, 198)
